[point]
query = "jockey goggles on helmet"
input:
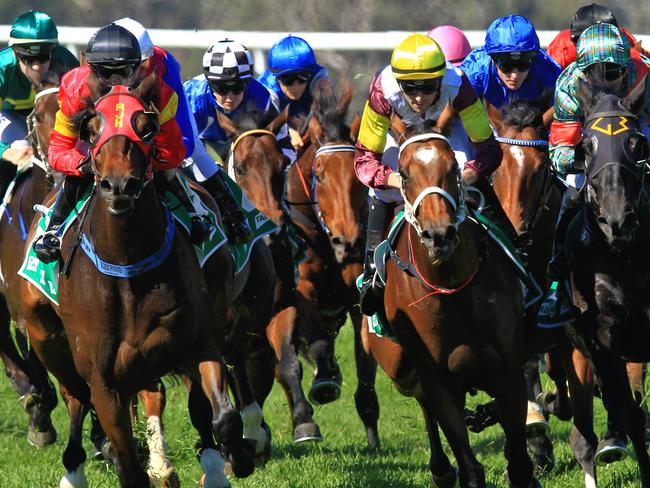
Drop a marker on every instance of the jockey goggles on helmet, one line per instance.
(426, 87)
(113, 50)
(291, 78)
(30, 59)
(223, 87)
(516, 60)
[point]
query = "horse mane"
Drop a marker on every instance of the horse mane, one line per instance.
(49, 78)
(252, 118)
(330, 110)
(527, 113)
(424, 127)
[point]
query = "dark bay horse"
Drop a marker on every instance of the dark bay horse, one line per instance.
(113, 335)
(456, 313)
(27, 375)
(610, 279)
(257, 164)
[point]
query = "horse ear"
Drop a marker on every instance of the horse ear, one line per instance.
(227, 124)
(146, 89)
(442, 124)
(82, 58)
(354, 126)
(585, 95)
(398, 127)
(496, 119)
(314, 130)
(547, 118)
(344, 101)
(277, 123)
(634, 100)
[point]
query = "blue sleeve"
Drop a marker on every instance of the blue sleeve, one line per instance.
(196, 105)
(173, 79)
(474, 67)
(277, 97)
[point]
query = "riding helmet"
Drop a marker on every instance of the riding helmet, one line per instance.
(291, 54)
(33, 33)
(512, 33)
(452, 41)
(227, 60)
(140, 33)
(589, 15)
(418, 57)
(113, 45)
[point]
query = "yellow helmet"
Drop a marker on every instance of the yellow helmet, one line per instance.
(418, 57)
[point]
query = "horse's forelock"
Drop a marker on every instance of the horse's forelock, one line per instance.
(423, 127)
(252, 119)
(330, 110)
(521, 114)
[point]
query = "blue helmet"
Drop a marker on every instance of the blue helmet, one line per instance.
(509, 34)
(290, 55)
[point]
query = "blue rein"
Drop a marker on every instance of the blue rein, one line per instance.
(522, 142)
(136, 269)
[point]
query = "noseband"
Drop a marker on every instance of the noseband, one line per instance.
(410, 209)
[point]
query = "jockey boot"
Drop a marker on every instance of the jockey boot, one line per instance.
(558, 266)
(169, 181)
(48, 246)
(370, 289)
(237, 228)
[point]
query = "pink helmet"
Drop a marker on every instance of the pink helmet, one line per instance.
(452, 41)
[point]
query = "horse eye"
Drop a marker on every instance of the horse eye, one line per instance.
(404, 175)
(239, 171)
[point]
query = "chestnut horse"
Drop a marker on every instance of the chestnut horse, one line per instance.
(257, 164)
(27, 375)
(453, 303)
(112, 335)
(328, 204)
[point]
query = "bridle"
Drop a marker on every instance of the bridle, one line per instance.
(410, 209)
(32, 133)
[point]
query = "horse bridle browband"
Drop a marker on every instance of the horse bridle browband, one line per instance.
(410, 209)
(522, 142)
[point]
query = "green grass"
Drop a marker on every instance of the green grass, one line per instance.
(340, 461)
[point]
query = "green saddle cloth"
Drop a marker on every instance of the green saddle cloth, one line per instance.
(45, 276)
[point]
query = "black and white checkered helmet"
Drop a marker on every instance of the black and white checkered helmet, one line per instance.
(227, 60)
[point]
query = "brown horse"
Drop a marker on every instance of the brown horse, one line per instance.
(28, 376)
(112, 336)
(328, 204)
(257, 164)
(453, 303)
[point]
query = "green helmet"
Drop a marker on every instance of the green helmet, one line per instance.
(33, 33)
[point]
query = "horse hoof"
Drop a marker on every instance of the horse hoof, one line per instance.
(241, 456)
(550, 401)
(74, 479)
(167, 479)
(536, 425)
(308, 431)
(447, 480)
(262, 457)
(540, 451)
(41, 438)
(324, 391)
(609, 451)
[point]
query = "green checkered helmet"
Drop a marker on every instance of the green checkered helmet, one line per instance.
(602, 43)
(33, 33)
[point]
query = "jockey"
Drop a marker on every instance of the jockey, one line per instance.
(33, 50)
(416, 86)
(114, 57)
(563, 47)
(510, 65)
(235, 223)
(226, 85)
(291, 77)
(602, 54)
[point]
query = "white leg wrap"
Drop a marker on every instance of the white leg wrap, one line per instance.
(74, 479)
(589, 481)
(212, 465)
(159, 465)
(534, 407)
(252, 417)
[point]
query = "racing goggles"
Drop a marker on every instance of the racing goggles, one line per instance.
(105, 71)
(426, 87)
(509, 62)
(225, 87)
(30, 59)
(291, 78)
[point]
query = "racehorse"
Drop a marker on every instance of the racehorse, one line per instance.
(454, 305)
(28, 376)
(112, 335)
(257, 164)
(328, 204)
(610, 264)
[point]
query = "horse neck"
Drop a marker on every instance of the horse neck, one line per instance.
(453, 271)
(127, 239)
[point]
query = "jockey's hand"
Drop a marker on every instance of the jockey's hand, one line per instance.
(18, 156)
(469, 176)
(394, 180)
(296, 139)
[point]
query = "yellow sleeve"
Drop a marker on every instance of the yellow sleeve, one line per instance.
(373, 130)
(169, 111)
(476, 122)
(64, 126)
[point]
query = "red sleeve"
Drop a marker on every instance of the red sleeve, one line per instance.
(562, 49)
(169, 149)
(565, 133)
(63, 156)
(369, 168)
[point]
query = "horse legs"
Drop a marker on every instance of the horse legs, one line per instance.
(280, 334)
(74, 456)
(365, 397)
(113, 410)
(636, 372)
(443, 474)
(160, 470)
(537, 427)
(635, 420)
(557, 402)
(512, 412)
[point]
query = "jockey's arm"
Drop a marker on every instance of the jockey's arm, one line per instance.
(169, 150)
(566, 129)
(477, 125)
(63, 154)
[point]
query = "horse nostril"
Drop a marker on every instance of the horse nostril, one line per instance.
(132, 186)
(428, 234)
(105, 185)
(336, 240)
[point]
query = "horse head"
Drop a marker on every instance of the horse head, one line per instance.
(41, 121)
(524, 180)
(120, 127)
(256, 158)
(339, 195)
(615, 154)
(434, 203)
